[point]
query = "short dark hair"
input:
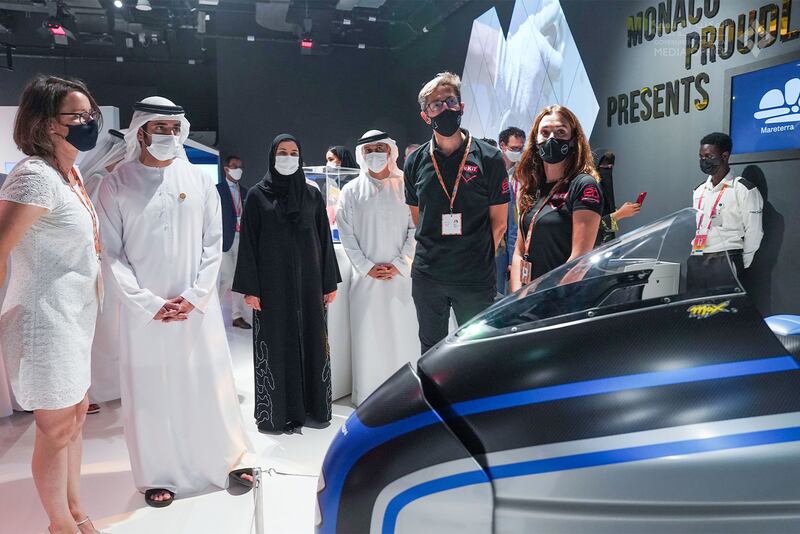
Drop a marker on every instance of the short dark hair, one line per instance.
(39, 104)
(608, 158)
(489, 140)
(719, 140)
(229, 158)
(508, 133)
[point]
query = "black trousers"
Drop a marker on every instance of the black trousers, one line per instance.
(433, 302)
(712, 272)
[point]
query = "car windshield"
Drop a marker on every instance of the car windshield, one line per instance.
(643, 268)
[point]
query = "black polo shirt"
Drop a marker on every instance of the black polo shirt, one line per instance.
(551, 244)
(467, 259)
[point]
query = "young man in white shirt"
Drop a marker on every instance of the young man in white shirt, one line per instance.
(729, 222)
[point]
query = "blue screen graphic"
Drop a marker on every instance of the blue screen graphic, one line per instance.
(765, 109)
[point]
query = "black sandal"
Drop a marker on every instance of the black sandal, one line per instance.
(236, 476)
(149, 494)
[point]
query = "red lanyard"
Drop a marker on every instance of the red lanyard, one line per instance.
(237, 200)
(86, 202)
(713, 208)
(533, 222)
(452, 198)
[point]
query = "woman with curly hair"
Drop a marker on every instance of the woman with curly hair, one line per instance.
(560, 200)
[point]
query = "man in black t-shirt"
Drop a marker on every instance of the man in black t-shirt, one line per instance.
(457, 189)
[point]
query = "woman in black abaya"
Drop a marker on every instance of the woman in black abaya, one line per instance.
(287, 271)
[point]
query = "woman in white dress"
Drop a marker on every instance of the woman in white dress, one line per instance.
(49, 228)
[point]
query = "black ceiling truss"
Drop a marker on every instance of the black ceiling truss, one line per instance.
(187, 30)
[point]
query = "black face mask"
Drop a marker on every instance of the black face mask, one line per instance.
(447, 122)
(83, 136)
(710, 166)
(555, 150)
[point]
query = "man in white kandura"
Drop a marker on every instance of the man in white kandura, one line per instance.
(377, 233)
(95, 167)
(162, 237)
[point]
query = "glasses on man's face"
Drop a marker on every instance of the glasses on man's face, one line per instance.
(84, 117)
(437, 106)
(708, 157)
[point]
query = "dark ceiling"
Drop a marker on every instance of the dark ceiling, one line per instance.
(187, 30)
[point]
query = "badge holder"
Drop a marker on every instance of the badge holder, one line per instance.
(525, 271)
(451, 224)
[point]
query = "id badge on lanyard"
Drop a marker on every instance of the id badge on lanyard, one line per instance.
(451, 222)
(701, 237)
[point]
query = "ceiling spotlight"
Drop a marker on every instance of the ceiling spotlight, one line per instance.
(424, 29)
(118, 4)
(373, 19)
(361, 46)
(347, 22)
(143, 5)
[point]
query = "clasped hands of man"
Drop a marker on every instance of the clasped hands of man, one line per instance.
(175, 309)
(383, 271)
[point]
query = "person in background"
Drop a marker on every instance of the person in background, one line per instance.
(457, 190)
(729, 225)
(409, 149)
(95, 167)
(47, 321)
(611, 214)
(560, 200)
(511, 143)
(340, 156)
(232, 198)
(288, 273)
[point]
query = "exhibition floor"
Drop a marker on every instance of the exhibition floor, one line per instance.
(116, 506)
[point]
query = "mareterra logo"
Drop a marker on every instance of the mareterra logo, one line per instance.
(779, 107)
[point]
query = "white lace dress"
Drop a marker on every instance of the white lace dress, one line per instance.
(48, 315)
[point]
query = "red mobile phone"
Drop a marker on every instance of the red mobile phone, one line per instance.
(642, 196)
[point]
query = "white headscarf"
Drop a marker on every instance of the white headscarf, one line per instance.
(379, 137)
(153, 108)
(110, 149)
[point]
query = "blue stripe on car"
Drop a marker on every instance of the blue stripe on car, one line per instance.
(579, 461)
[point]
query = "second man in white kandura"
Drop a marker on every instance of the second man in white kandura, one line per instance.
(377, 233)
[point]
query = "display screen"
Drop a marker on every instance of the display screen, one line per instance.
(765, 109)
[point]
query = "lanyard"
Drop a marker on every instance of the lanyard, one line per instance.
(451, 198)
(713, 209)
(533, 222)
(237, 201)
(86, 202)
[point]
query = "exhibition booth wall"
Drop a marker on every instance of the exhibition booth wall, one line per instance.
(659, 154)
(121, 84)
